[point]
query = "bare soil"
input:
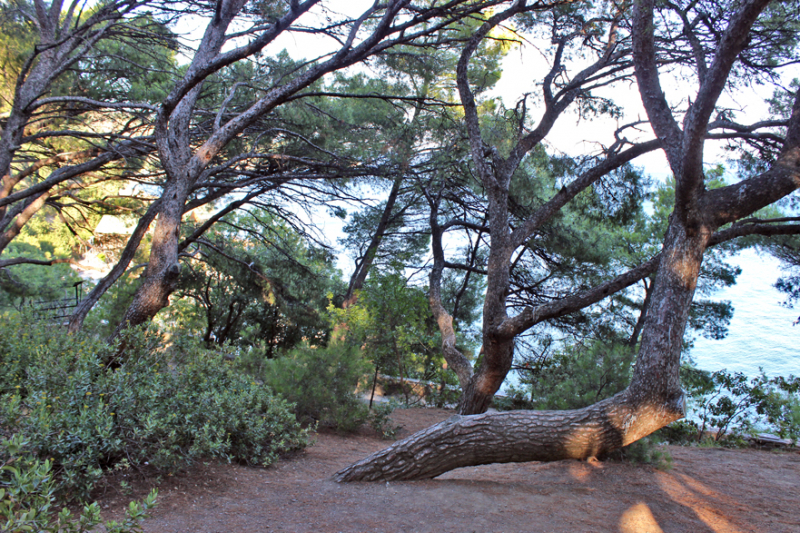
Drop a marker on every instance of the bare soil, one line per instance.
(707, 490)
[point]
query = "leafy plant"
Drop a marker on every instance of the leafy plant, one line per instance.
(577, 376)
(321, 383)
(86, 418)
(731, 405)
(27, 493)
(644, 451)
(379, 420)
(392, 324)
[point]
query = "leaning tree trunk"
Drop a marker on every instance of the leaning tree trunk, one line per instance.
(163, 270)
(653, 400)
(128, 253)
(514, 436)
(362, 269)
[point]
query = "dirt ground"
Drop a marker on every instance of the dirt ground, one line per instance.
(707, 490)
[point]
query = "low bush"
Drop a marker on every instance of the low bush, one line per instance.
(27, 493)
(644, 451)
(729, 406)
(380, 421)
(84, 418)
(321, 383)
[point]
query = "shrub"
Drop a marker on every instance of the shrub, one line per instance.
(679, 432)
(392, 325)
(512, 400)
(731, 405)
(321, 383)
(644, 451)
(85, 417)
(379, 420)
(27, 493)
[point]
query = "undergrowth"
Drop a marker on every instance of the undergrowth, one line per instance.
(79, 418)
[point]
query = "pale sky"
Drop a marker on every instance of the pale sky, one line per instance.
(523, 67)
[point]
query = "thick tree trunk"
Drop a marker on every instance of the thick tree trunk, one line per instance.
(498, 352)
(515, 436)
(163, 270)
(657, 370)
(477, 396)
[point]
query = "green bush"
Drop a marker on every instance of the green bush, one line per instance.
(578, 376)
(391, 323)
(322, 384)
(730, 405)
(679, 432)
(27, 493)
(85, 418)
(723, 406)
(512, 400)
(644, 451)
(380, 420)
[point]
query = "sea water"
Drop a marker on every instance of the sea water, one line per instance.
(761, 334)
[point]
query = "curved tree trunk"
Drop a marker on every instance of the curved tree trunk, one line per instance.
(515, 436)
(163, 270)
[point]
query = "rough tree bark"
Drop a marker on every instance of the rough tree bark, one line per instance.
(514, 436)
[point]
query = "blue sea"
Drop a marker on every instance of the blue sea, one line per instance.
(761, 334)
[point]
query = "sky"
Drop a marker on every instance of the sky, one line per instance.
(523, 67)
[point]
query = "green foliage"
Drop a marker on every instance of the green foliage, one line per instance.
(403, 244)
(86, 417)
(109, 310)
(22, 284)
(379, 420)
(267, 290)
(681, 432)
(393, 326)
(137, 65)
(729, 406)
(17, 38)
(322, 383)
(644, 451)
(577, 376)
(27, 494)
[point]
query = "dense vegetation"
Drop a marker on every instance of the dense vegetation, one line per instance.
(217, 323)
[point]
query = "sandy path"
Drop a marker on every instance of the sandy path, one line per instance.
(708, 490)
